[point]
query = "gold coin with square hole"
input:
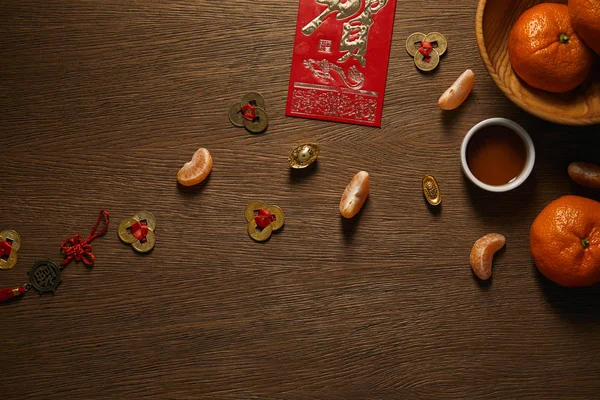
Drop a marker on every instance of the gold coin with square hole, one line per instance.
(414, 42)
(255, 99)
(439, 42)
(235, 115)
(259, 123)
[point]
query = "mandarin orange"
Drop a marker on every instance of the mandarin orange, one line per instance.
(565, 241)
(585, 17)
(546, 52)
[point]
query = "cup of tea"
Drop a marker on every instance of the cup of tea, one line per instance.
(497, 155)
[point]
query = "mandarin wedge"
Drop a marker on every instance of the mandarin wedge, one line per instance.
(196, 170)
(483, 252)
(355, 195)
(458, 92)
(585, 174)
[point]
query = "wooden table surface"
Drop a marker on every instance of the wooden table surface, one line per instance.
(101, 103)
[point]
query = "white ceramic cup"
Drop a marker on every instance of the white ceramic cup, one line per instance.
(529, 162)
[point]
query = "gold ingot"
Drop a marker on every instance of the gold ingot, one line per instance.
(303, 156)
(15, 242)
(127, 236)
(260, 235)
(431, 190)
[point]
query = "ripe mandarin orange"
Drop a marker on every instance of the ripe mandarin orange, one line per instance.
(546, 52)
(585, 17)
(565, 241)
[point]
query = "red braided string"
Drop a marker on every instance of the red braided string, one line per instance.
(264, 218)
(249, 112)
(5, 249)
(140, 231)
(81, 250)
(426, 49)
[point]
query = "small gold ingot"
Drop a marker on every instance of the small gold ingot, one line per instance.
(431, 190)
(13, 238)
(126, 235)
(260, 235)
(303, 156)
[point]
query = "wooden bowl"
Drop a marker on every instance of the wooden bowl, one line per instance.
(495, 19)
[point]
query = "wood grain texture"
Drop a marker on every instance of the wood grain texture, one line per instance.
(494, 21)
(103, 101)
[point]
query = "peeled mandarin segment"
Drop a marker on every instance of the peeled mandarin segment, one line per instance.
(355, 195)
(483, 252)
(195, 171)
(458, 92)
(585, 174)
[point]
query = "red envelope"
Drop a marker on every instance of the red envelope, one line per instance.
(340, 61)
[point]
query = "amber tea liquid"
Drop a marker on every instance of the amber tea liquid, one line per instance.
(496, 155)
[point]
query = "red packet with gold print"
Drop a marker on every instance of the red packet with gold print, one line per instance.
(340, 61)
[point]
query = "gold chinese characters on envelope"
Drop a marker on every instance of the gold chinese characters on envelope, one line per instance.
(340, 60)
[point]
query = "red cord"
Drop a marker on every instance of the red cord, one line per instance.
(140, 231)
(5, 249)
(426, 49)
(81, 250)
(249, 112)
(264, 218)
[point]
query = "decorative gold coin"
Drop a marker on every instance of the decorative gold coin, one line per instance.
(148, 218)
(303, 156)
(279, 217)
(147, 245)
(235, 115)
(123, 233)
(425, 66)
(15, 243)
(252, 208)
(431, 190)
(414, 42)
(439, 42)
(259, 123)
(260, 235)
(255, 99)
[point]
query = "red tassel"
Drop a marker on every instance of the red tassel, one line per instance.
(9, 293)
